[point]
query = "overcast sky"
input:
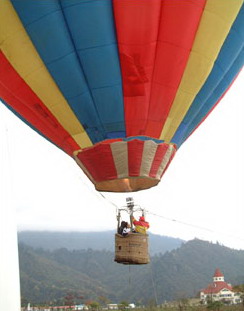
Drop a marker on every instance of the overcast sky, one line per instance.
(201, 195)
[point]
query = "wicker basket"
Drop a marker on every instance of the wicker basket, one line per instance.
(131, 249)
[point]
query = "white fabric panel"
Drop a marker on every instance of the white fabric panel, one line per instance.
(120, 155)
(165, 161)
(149, 150)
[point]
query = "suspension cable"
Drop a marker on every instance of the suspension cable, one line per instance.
(179, 221)
(194, 226)
(153, 284)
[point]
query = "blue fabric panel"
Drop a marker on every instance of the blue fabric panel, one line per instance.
(86, 22)
(216, 95)
(96, 46)
(59, 55)
(110, 113)
(46, 23)
(223, 67)
(144, 138)
(115, 135)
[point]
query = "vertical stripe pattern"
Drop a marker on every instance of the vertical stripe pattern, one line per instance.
(118, 84)
(126, 160)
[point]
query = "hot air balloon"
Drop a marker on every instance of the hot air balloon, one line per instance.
(118, 85)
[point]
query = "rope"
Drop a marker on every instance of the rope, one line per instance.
(112, 203)
(97, 193)
(179, 221)
(153, 284)
(129, 275)
(195, 226)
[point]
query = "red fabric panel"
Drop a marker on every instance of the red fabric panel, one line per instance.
(178, 25)
(99, 162)
(135, 150)
(154, 38)
(171, 158)
(23, 100)
(159, 155)
(137, 29)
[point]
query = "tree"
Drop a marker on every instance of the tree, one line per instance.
(152, 304)
(182, 300)
(93, 305)
(214, 305)
(183, 303)
(104, 300)
(24, 301)
(69, 300)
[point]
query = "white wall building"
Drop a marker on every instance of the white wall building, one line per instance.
(219, 290)
(113, 306)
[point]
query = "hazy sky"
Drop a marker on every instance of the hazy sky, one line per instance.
(202, 188)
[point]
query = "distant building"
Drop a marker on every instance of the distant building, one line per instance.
(113, 306)
(132, 306)
(219, 290)
(81, 307)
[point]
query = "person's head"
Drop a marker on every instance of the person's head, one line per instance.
(123, 224)
(142, 218)
(128, 225)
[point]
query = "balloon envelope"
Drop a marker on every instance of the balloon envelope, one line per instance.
(118, 85)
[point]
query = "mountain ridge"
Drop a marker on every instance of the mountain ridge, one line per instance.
(176, 274)
(101, 240)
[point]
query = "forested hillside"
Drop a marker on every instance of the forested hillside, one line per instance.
(50, 275)
(95, 240)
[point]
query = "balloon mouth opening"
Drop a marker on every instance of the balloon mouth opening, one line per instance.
(125, 166)
(129, 184)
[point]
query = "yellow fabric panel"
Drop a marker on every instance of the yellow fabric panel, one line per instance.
(217, 19)
(20, 52)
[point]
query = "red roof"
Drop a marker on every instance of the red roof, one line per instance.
(218, 273)
(216, 287)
